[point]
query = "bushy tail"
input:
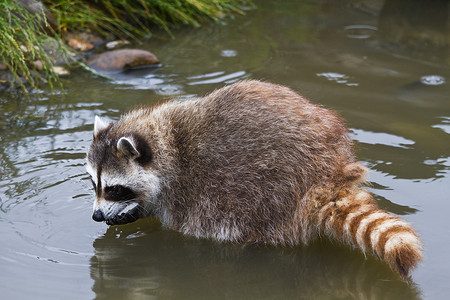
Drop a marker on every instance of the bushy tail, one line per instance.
(355, 219)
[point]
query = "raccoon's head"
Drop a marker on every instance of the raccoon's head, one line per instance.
(125, 183)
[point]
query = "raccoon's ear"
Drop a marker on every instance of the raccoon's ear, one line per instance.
(100, 124)
(127, 147)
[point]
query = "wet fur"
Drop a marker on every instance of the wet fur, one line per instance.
(252, 162)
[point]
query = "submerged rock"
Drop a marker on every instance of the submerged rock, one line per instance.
(116, 60)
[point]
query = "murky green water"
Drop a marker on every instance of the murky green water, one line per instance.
(386, 69)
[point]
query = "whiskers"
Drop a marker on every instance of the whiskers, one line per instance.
(144, 211)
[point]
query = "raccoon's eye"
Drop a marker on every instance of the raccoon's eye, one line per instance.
(118, 193)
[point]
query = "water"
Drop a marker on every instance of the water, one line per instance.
(387, 76)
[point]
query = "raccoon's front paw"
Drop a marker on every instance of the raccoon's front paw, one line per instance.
(129, 214)
(122, 219)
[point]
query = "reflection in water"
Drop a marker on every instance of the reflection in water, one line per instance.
(432, 80)
(339, 78)
(445, 125)
(360, 31)
(226, 78)
(141, 260)
(417, 28)
(380, 138)
(145, 79)
(168, 85)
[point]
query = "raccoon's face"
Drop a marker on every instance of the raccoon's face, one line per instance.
(124, 181)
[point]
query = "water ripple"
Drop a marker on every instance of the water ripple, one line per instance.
(337, 77)
(380, 138)
(360, 31)
(445, 125)
(226, 78)
(432, 80)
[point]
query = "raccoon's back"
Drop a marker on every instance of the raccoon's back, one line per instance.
(262, 126)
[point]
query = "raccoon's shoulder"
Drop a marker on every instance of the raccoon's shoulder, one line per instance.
(145, 118)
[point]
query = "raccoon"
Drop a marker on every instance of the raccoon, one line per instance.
(252, 162)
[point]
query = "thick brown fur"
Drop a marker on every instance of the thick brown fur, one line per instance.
(253, 162)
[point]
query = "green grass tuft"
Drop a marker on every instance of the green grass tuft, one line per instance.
(21, 44)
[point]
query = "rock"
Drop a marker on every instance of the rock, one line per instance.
(86, 36)
(38, 65)
(3, 66)
(24, 49)
(6, 77)
(55, 51)
(80, 45)
(61, 71)
(37, 7)
(116, 44)
(116, 60)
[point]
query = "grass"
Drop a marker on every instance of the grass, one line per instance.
(23, 34)
(21, 44)
(128, 18)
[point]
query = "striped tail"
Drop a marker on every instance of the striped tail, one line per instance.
(355, 219)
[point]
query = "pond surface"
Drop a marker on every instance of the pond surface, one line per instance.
(385, 67)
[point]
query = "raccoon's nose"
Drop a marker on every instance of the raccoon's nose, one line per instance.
(98, 216)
